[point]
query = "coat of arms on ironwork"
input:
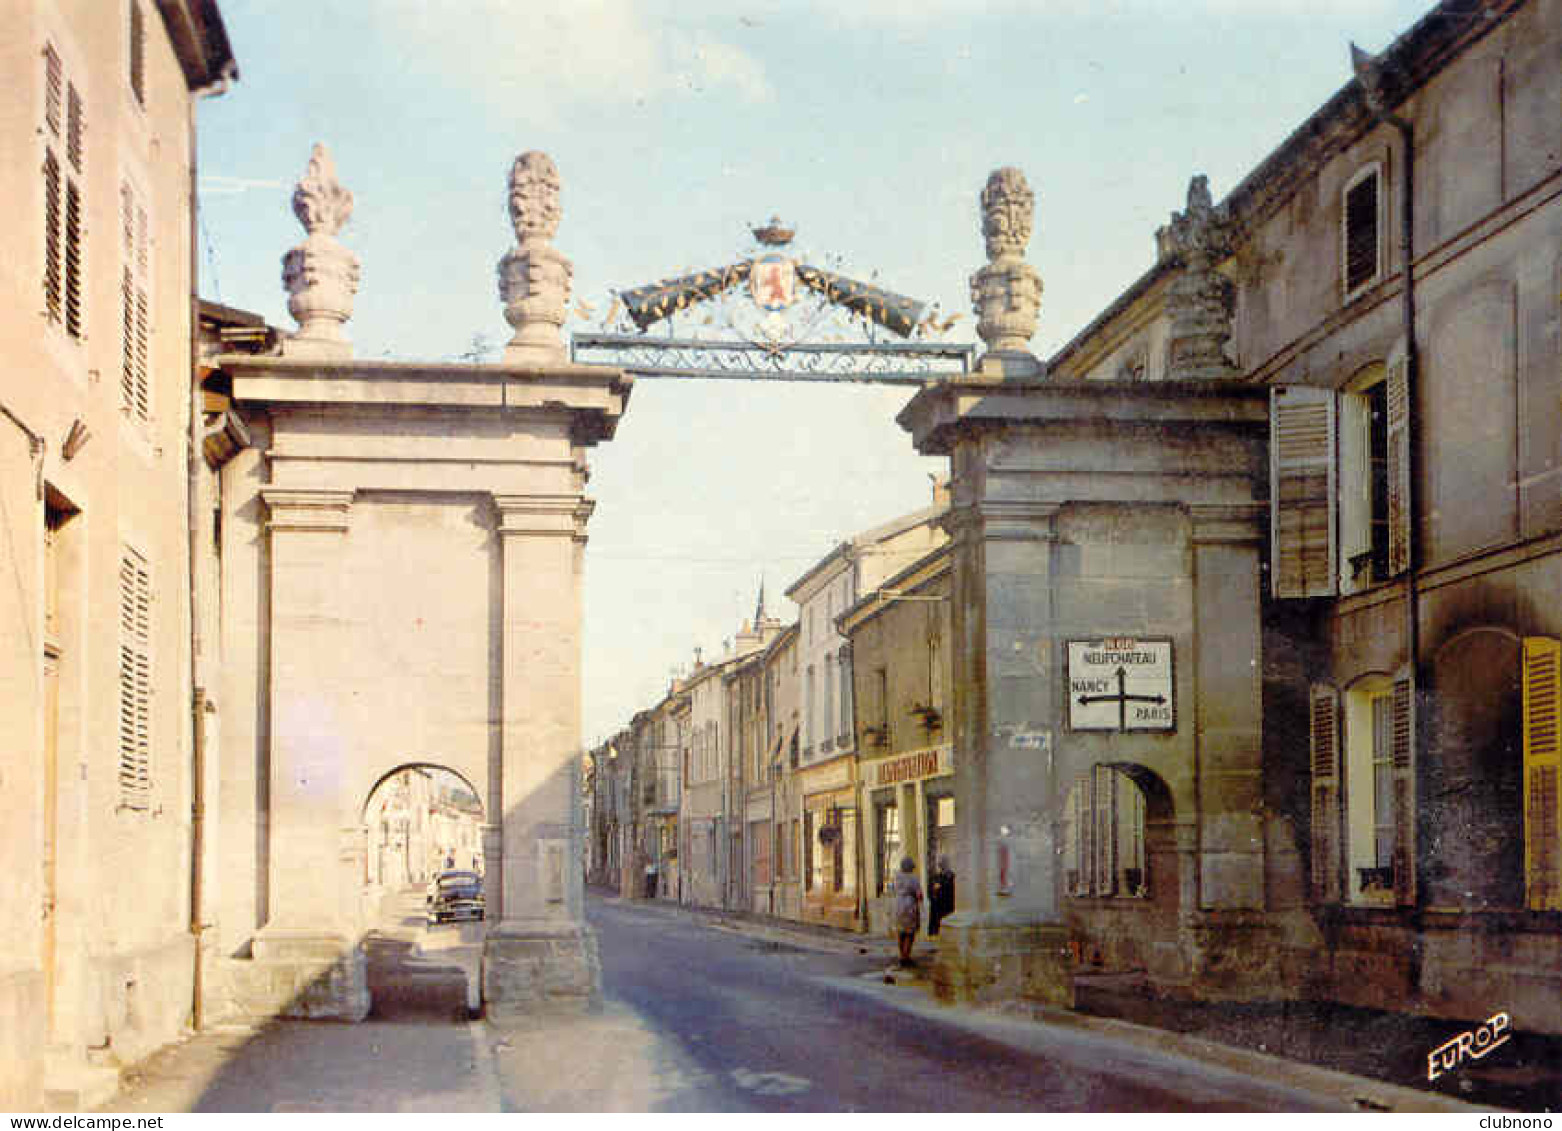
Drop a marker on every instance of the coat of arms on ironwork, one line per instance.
(772, 282)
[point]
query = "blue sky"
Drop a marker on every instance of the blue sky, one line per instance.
(870, 126)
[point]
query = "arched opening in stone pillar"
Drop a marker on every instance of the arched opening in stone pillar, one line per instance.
(424, 901)
(420, 819)
(1120, 873)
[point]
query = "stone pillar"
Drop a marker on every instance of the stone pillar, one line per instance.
(1006, 938)
(1081, 511)
(1227, 581)
(312, 934)
(540, 952)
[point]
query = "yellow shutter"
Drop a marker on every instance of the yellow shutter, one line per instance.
(1542, 769)
(1403, 751)
(1325, 749)
(1302, 490)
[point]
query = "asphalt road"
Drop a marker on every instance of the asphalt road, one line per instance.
(747, 1026)
(693, 1019)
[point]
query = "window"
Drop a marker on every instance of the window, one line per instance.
(1363, 805)
(935, 672)
(1361, 244)
(844, 727)
(1103, 835)
(827, 728)
(886, 823)
(1364, 461)
(759, 840)
(1369, 789)
(135, 681)
(1542, 769)
(64, 134)
(1340, 483)
(808, 710)
(808, 850)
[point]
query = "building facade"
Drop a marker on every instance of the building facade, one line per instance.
(832, 866)
(1324, 565)
(97, 463)
(898, 635)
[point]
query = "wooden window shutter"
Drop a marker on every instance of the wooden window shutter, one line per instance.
(1325, 742)
(75, 128)
(1084, 842)
(74, 267)
(1399, 486)
(135, 681)
(1361, 233)
(1105, 838)
(53, 251)
(53, 90)
(138, 52)
(1404, 763)
(1542, 771)
(1302, 430)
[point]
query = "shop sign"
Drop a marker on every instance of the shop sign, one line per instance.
(1120, 683)
(910, 767)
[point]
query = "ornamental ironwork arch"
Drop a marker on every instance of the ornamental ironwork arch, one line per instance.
(776, 317)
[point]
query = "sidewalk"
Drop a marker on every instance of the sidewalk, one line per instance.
(1366, 1059)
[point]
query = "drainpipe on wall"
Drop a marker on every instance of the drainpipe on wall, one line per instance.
(193, 462)
(1369, 74)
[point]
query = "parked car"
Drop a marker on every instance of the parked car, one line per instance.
(455, 895)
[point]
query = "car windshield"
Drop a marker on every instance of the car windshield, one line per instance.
(458, 880)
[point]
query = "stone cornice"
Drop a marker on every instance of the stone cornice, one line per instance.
(544, 515)
(1229, 523)
(307, 508)
(942, 414)
(592, 397)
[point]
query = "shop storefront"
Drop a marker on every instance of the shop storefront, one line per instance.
(831, 864)
(908, 806)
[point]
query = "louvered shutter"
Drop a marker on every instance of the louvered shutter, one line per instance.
(53, 250)
(135, 681)
(1083, 840)
(1542, 771)
(1302, 428)
(1105, 839)
(1325, 741)
(1403, 750)
(1398, 403)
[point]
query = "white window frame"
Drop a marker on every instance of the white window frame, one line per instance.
(1368, 711)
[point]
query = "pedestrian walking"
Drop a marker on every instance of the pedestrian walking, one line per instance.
(940, 895)
(908, 907)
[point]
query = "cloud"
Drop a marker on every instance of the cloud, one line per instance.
(213, 184)
(581, 53)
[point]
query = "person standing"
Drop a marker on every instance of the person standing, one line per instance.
(908, 907)
(940, 895)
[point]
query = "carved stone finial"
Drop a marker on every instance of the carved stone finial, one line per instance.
(320, 201)
(1008, 212)
(534, 277)
(1006, 294)
(320, 275)
(1199, 300)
